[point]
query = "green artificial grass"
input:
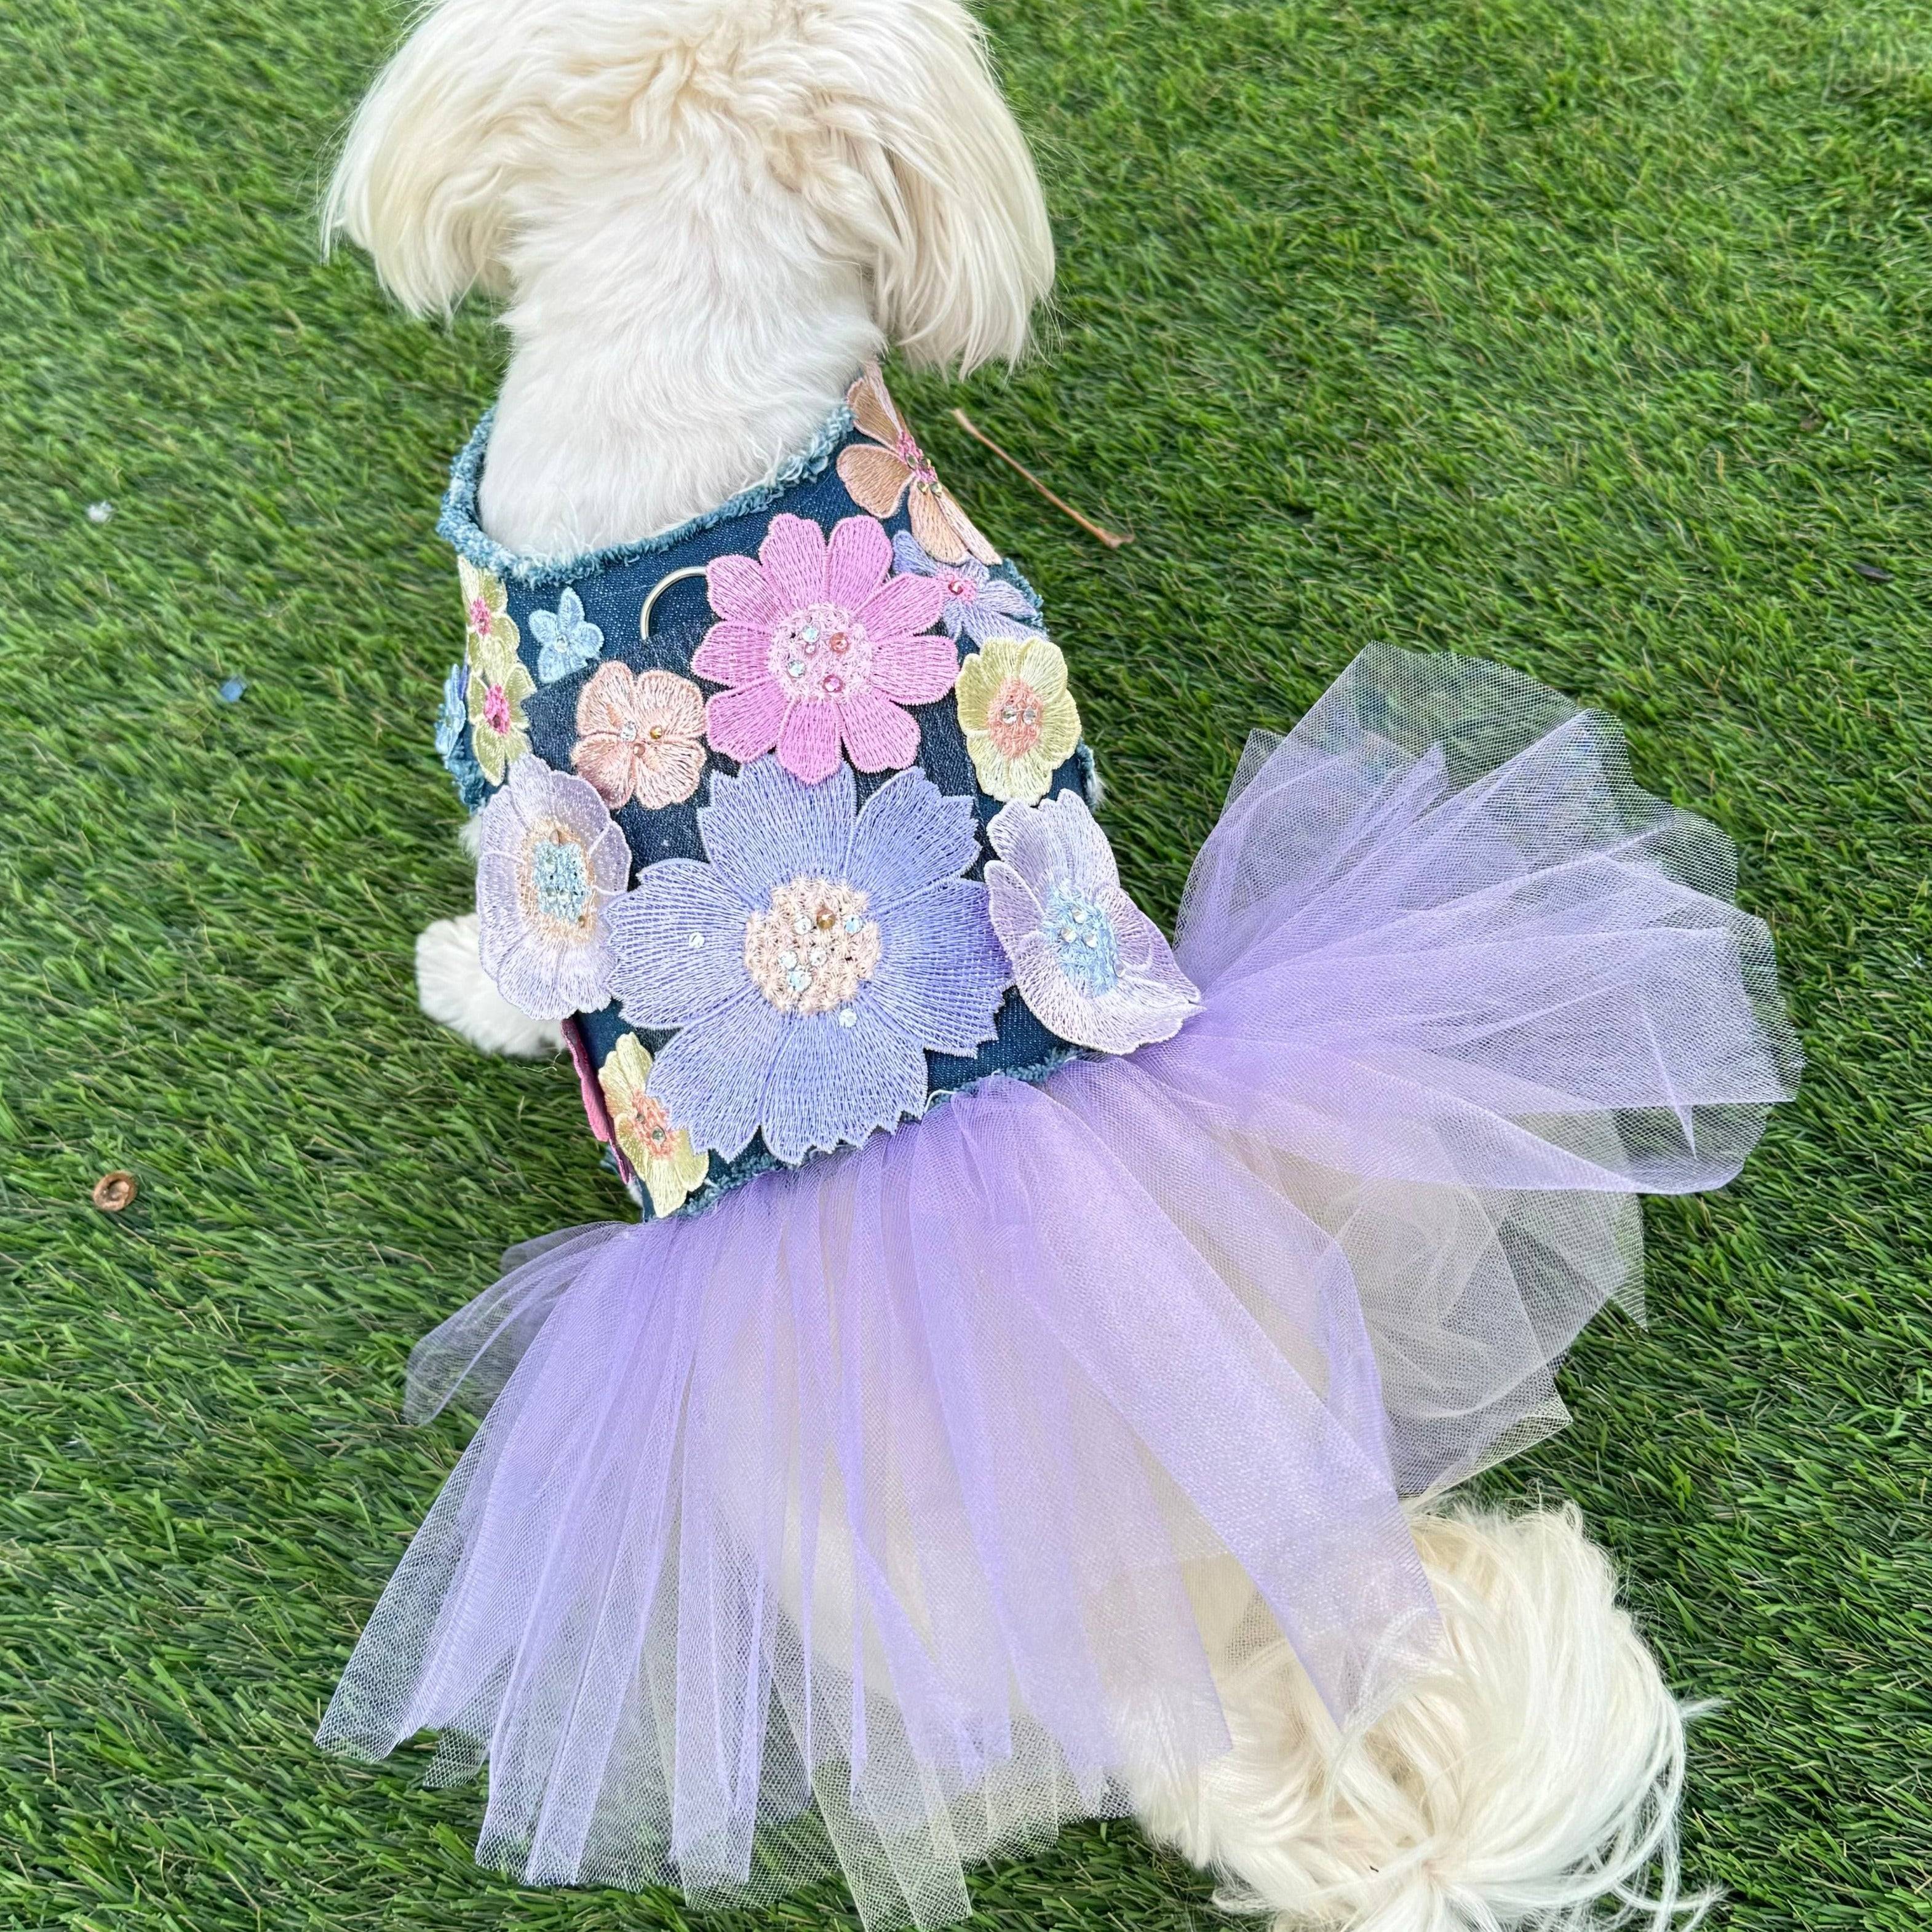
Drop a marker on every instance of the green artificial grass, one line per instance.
(1592, 338)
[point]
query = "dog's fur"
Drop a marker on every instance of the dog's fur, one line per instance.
(702, 216)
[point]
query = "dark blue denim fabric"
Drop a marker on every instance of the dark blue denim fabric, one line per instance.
(613, 586)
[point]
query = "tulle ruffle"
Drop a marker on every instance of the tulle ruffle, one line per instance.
(885, 1514)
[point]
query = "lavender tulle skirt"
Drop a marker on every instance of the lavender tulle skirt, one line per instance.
(862, 1521)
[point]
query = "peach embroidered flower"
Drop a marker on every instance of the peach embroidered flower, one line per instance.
(878, 473)
(1020, 720)
(660, 1154)
(640, 735)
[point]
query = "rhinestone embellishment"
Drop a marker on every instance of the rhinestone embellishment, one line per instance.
(814, 949)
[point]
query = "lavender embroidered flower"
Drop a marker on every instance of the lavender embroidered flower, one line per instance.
(549, 858)
(1091, 965)
(452, 741)
(569, 640)
(977, 602)
(812, 963)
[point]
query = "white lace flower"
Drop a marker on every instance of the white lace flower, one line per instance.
(549, 858)
(1090, 964)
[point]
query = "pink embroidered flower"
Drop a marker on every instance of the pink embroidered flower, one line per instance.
(878, 473)
(821, 647)
(641, 735)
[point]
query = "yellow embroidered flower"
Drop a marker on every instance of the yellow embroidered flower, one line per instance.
(1019, 718)
(485, 612)
(498, 681)
(661, 1154)
(498, 733)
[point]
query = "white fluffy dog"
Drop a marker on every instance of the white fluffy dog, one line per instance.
(702, 216)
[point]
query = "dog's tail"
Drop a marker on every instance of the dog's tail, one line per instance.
(1532, 1777)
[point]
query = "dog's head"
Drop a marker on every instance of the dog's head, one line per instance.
(873, 129)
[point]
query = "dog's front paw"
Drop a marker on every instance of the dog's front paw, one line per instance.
(454, 990)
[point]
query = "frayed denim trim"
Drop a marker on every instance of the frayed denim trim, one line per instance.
(458, 525)
(711, 1192)
(1020, 583)
(1091, 783)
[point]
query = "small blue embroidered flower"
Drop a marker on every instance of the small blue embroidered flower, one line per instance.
(452, 740)
(813, 962)
(569, 640)
(1090, 964)
(453, 720)
(977, 602)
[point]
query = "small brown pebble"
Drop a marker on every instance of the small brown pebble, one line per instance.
(115, 1191)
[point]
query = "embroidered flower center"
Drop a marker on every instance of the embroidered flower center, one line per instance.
(479, 617)
(1012, 722)
(1083, 938)
(653, 1125)
(819, 654)
(957, 588)
(555, 884)
(814, 949)
(924, 478)
(497, 709)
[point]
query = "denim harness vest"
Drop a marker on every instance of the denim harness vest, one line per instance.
(773, 670)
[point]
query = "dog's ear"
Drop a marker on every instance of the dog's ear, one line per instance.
(956, 237)
(420, 178)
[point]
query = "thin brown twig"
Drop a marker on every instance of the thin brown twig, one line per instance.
(1113, 539)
